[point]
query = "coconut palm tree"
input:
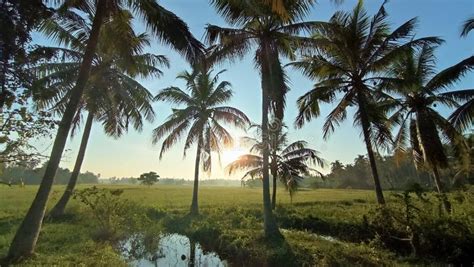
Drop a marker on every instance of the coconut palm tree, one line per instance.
(289, 163)
(353, 52)
(420, 90)
(462, 117)
(278, 6)
(164, 25)
(467, 26)
(112, 95)
(201, 118)
(273, 35)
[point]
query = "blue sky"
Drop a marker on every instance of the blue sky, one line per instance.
(134, 154)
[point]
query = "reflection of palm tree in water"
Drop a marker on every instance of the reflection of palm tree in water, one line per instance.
(192, 253)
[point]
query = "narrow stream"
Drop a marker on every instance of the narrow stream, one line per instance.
(168, 250)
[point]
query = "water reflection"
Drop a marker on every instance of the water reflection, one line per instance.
(167, 250)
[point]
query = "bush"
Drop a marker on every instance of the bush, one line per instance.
(116, 218)
(417, 227)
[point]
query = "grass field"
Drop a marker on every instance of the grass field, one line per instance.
(231, 216)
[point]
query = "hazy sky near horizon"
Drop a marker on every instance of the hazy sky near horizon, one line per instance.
(134, 154)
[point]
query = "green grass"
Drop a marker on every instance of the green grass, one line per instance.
(230, 223)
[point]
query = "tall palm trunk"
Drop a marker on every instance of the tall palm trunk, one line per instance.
(274, 170)
(25, 239)
(441, 192)
(370, 152)
(58, 209)
(269, 223)
(194, 203)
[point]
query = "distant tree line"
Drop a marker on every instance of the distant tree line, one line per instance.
(32, 176)
(176, 181)
(397, 174)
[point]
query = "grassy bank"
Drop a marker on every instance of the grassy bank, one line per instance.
(230, 224)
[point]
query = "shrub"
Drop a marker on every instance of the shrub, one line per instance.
(116, 218)
(419, 228)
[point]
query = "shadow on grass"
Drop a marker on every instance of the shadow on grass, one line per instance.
(67, 217)
(342, 230)
(7, 225)
(280, 252)
(340, 202)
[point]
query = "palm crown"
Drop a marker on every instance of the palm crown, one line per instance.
(291, 161)
(112, 94)
(420, 89)
(201, 117)
(163, 24)
(272, 34)
(354, 50)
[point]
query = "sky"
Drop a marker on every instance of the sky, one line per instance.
(134, 153)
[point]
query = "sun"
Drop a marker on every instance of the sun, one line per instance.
(232, 154)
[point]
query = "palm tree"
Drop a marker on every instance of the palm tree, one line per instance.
(273, 35)
(201, 117)
(467, 26)
(112, 95)
(165, 25)
(462, 117)
(353, 52)
(288, 162)
(278, 6)
(419, 87)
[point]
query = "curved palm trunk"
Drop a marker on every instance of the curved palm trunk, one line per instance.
(58, 209)
(274, 175)
(25, 239)
(194, 203)
(441, 192)
(370, 152)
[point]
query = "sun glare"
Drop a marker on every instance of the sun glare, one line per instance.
(232, 154)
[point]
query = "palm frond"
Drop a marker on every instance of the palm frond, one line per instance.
(462, 117)
(451, 75)
(168, 27)
(467, 26)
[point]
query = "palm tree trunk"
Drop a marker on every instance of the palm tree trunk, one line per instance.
(58, 209)
(370, 152)
(274, 175)
(25, 239)
(194, 203)
(441, 192)
(269, 222)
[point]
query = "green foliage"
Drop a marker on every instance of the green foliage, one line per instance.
(396, 174)
(18, 18)
(201, 116)
(420, 89)
(467, 26)
(149, 178)
(116, 217)
(289, 162)
(19, 123)
(113, 96)
(420, 228)
(324, 227)
(29, 175)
